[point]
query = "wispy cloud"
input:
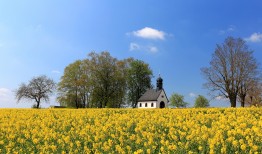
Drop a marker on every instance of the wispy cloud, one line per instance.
(134, 46)
(149, 33)
(152, 49)
(56, 72)
(4, 91)
(148, 48)
(230, 28)
(192, 94)
(255, 37)
(6, 95)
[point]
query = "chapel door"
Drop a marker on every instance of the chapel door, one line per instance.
(162, 104)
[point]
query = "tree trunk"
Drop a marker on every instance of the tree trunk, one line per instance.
(76, 100)
(243, 101)
(233, 101)
(37, 104)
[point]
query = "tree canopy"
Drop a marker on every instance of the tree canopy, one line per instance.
(73, 88)
(177, 100)
(201, 101)
(139, 77)
(101, 81)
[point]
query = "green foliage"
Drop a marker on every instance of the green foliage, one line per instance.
(74, 85)
(108, 80)
(177, 100)
(201, 101)
(97, 81)
(139, 77)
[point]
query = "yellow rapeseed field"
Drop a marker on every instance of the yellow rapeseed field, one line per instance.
(211, 130)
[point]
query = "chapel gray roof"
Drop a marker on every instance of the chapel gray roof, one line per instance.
(150, 95)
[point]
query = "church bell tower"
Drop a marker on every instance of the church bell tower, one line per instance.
(159, 83)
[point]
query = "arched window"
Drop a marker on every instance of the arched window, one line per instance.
(146, 105)
(140, 104)
(152, 104)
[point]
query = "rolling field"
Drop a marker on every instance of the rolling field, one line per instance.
(131, 130)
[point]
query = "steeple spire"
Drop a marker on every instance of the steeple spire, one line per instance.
(159, 83)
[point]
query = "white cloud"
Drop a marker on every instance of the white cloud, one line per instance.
(6, 96)
(4, 91)
(192, 94)
(134, 46)
(255, 37)
(149, 33)
(56, 72)
(153, 49)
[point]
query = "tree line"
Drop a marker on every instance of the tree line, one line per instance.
(101, 80)
(177, 100)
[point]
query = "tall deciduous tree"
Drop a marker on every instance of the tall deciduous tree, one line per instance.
(39, 88)
(108, 80)
(74, 85)
(201, 101)
(101, 81)
(139, 77)
(231, 65)
(177, 100)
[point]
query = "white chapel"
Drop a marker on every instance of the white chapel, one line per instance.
(154, 98)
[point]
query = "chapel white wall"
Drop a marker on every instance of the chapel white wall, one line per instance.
(148, 104)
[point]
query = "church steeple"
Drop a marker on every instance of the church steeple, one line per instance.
(159, 83)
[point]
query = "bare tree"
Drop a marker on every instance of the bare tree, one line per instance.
(231, 67)
(254, 95)
(39, 88)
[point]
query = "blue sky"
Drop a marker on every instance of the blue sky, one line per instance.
(176, 38)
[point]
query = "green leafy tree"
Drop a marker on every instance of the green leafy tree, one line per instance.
(39, 88)
(139, 77)
(74, 85)
(177, 100)
(107, 79)
(101, 81)
(201, 101)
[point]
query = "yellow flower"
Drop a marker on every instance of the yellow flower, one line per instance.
(2, 142)
(53, 147)
(255, 148)
(243, 147)
(139, 151)
(235, 143)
